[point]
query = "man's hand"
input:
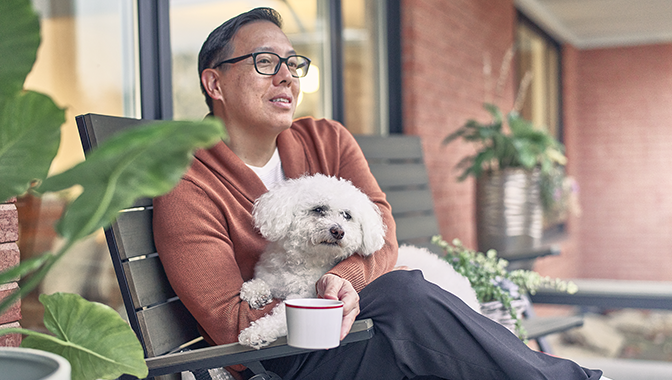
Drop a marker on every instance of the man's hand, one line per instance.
(333, 287)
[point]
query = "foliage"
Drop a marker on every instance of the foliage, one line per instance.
(491, 280)
(90, 334)
(523, 146)
(144, 162)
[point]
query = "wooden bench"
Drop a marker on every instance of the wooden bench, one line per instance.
(162, 323)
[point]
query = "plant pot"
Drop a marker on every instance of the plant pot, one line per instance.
(509, 215)
(496, 311)
(30, 364)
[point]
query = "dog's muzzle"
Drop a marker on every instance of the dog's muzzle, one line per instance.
(337, 232)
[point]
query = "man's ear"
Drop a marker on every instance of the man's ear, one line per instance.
(211, 82)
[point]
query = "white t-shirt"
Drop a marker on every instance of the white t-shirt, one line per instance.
(272, 172)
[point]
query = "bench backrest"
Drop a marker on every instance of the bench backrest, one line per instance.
(156, 314)
(397, 163)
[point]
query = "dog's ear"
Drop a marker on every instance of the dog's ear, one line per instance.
(373, 228)
(273, 212)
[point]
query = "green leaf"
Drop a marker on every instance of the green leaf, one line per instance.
(142, 162)
(497, 116)
(96, 341)
(25, 266)
(30, 134)
(19, 40)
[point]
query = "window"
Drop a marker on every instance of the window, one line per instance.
(540, 55)
(365, 73)
(191, 22)
(86, 63)
(348, 76)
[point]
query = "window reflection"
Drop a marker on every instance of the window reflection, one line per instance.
(364, 72)
(538, 54)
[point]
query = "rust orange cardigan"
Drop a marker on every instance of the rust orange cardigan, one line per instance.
(204, 231)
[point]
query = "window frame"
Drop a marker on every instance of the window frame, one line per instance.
(155, 68)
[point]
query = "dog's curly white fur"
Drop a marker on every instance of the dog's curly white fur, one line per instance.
(311, 224)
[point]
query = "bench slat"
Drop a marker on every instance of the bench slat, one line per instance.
(391, 147)
(147, 282)
(407, 201)
(166, 327)
(416, 227)
(133, 231)
(391, 176)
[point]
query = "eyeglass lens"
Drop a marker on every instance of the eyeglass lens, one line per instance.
(269, 64)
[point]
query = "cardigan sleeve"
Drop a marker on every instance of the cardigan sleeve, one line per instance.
(352, 165)
(196, 250)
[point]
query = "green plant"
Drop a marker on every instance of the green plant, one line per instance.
(145, 162)
(521, 146)
(510, 141)
(491, 280)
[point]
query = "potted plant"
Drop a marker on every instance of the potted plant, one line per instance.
(499, 291)
(145, 162)
(512, 159)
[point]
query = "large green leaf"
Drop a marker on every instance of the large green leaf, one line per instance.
(19, 39)
(30, 134)
(96, 341)
(143, 162)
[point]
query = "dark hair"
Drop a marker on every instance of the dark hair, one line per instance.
(216, 47)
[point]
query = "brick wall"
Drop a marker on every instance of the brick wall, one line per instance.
(622, 150)
(9, 256)
(617, 115)
(443, 48)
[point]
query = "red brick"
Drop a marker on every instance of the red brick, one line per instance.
(9, 223)
(443, 44)
(9, 255)
(10, 340)
(12, 314)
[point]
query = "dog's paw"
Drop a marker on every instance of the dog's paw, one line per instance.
(254, 337)
(256, 292)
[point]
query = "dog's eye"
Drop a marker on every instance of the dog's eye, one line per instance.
(346, 215)
(320, 210)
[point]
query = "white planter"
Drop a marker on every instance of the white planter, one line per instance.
(29, 364)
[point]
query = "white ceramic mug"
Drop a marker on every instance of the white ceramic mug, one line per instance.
(314, 322)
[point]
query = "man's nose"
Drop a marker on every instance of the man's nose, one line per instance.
(283, 72)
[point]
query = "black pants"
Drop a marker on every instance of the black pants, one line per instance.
(424, 332)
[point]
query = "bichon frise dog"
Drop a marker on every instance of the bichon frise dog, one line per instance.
(311, 224)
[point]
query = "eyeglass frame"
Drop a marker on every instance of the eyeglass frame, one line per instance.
(277, 68)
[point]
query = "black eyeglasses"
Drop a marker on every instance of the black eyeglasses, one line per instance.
(269, 63)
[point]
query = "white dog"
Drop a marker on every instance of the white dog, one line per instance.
(311, 224)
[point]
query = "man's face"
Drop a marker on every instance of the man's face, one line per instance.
(259, 103)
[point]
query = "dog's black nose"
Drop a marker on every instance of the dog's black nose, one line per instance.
(337, 232)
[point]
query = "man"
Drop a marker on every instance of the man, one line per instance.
(203, 231)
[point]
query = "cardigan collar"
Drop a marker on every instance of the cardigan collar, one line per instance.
(221, 160)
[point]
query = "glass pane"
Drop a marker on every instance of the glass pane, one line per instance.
(364, 72)
(304, 23)
(540, 56)
(87, 63)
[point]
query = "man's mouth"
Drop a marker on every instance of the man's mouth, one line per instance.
(281, 100)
